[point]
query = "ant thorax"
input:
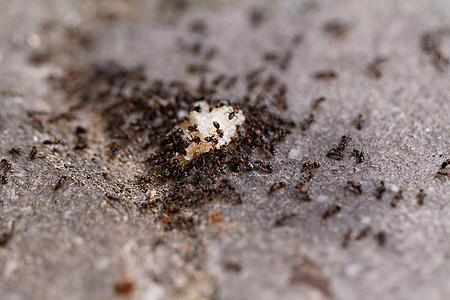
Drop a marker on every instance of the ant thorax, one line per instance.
(208, 128)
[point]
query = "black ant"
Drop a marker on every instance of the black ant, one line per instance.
(197, 108)
(308, 122)
(331, 211)
(334, 154)
(325, 75)
(308, 177)
(17, 151)
(354, 187)
(270, 148)
(60, 182)
(344, 142)
(374, 67)
(314, 109)
(284, 220)
(276, 186)
(397, 198)
(363, 233)
(114, 149)
(359, 155)
(53, 142)
(192, 128)
(347, 238)
(421, 197)
(443, 171)
(81, 143)
(304, 194)
(33, 153)
(216, 124)
(5, 167)
(336, 151)
(335, 28)
(267, 167)
(310, 165)
(381, 238)
(233, 114)
(380, 190)
(359, 122)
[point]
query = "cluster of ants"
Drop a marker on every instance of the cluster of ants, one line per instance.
(143, 115)
(301, 189)
(380, 237)
(147, 116)
(336, 152)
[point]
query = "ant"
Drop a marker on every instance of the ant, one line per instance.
(359, 122)
(270, 148)
(196, 139)
(284, 220)
(354, 187)
(308, 177)
(219, 132)
(336, 151)
(304, 194)
(17, 151)
(443, 171)
(267, 167)
(325, 75)
(197, 108)
(359, 155)
(374, 67)
(347, 238)
(421, 197)
(363, 233)
(344, 142)
(124, 287)
(53, 142)
(6, 167)
(310, 165)
(380, 190)
(331, 211)
(276, 186)
(60, 182)
(114, 149)
(397, 198)
(82, 143)
(233, 113)
(307, 122)
(314, 109)
(381, 238)
(335, 28)
(193, 128)
(33, 153)
(334, 154)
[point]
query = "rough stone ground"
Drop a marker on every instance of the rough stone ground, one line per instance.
(74, 243)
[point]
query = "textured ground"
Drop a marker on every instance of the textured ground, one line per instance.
(73, 242)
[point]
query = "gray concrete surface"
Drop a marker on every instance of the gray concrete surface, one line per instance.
(73, 243)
